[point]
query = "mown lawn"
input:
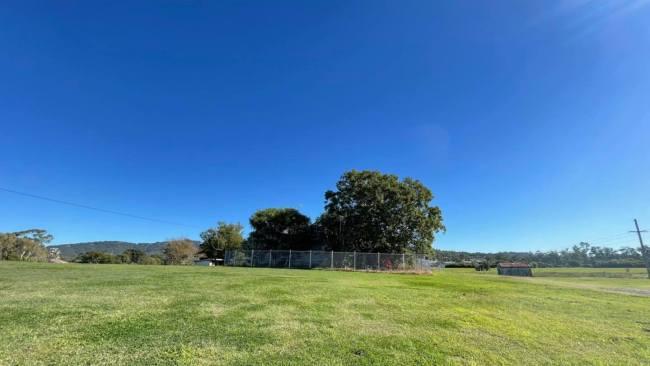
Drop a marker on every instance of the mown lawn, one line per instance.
(164, 315)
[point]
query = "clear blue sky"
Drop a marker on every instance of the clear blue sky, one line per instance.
(529, 120)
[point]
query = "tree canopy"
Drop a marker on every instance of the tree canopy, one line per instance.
(133, 256)
(371, 211)
(279, 228)
(180, 251)
(223, 237)
(40, 236)
(28, 245)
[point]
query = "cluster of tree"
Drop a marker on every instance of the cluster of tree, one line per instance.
(28, 245)
(71, 251)
(179, 251)
(221, 238)
(580, 255)
(129, 256)
(368, 212)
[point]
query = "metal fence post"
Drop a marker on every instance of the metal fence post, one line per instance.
(310, 259)
(289, 258)
(403, 263)
(252, 256)
(270, 257)
(378, 265)
(332, 260)
(354, 261)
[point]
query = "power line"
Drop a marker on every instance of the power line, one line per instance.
(616, 246)
(629, 239)
(625, 238)
(31, 195)
(609, 238)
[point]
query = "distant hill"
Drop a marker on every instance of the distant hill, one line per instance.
(70, 251)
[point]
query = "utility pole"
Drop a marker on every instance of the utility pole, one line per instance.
(644, 251)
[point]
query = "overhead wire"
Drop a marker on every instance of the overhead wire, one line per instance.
(93, 208)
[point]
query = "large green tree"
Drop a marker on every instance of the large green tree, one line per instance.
(374, 212)
(224, 237)
(279, 228)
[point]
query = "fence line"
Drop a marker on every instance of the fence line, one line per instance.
(309, 259)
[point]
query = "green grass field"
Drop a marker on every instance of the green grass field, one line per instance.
(168, 315)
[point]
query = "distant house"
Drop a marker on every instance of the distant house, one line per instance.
(54, 256)
(514, 269)
(54, 253)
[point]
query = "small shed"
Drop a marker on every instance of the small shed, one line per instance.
(204, 262)
(209, 262)
(514, 269)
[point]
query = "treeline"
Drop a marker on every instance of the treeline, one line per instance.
(129, 256)
(30, 245)
(179, 252)
(368, 212)
(71, 251)
(580, 255)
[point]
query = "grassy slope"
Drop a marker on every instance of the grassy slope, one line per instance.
(120, 314)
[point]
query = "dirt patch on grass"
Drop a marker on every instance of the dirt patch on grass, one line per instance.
(583, 286)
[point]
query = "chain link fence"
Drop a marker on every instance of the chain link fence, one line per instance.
(350, 261)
